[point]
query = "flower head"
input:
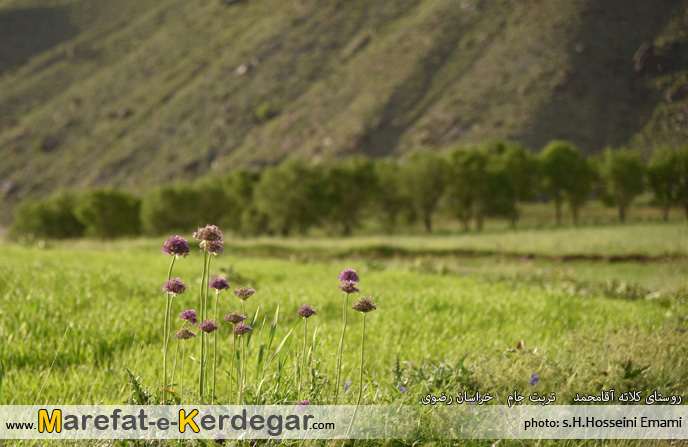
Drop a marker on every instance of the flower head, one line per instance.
(208, 326)
(184, 334)
(174, 286)
(211, 239)
(535, 380)
(234, 317)
(208, 233)
(218, 284)
(306, 311)
(176, 246)
(349, 275)
(189, 315)
(402, 388)
(214, 247)
(303, 402)
(347, 385)
(349, 287)
(244, 293)
(241, 329)
(364, 304)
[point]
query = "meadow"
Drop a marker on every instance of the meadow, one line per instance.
(74, 315)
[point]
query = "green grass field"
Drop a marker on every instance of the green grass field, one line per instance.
(444, 323)
(650, 239)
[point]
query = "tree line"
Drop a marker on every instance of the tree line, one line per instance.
(296, 195)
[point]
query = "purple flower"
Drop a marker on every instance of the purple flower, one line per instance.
(349, 275)
(189, 315)
(211, 238)
(208, 326)
(174, 286)
(214, 247)
(349, 287)
(176, 246)
(218, 284)
(303, 402)
(234, 317)
(306, 311)
(364, 304)
(535, 380)
(184, 334)
(208, 233)
(244, 293)
(402, 388)
(347, 385)
(241, 329)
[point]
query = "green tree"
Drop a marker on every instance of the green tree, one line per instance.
(350, 184)
(623, 175)
(424, 177)
(176, 208)
(170, 209)
(663, 175)
(682, 168)
(215, 204)
(513, 177)
(468, 185)
(290, 196)
(566, 175)
(239, 186)
(109, 213)
(390, 200)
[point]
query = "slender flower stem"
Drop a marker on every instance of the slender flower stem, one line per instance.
(341, 347)
(231, 370)
(215, 349)
(169, 330)
(303, 356)
(176, 356)
(238, 372)
(243, 373)
(164, 346)
(166, 332)
(205, 317)
(360, 387)
(181, 384)
(360, 382)
(200, 376)
(244, 355)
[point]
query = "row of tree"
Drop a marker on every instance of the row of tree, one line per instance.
(296, 195)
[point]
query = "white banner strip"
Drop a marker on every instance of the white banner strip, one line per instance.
(334, 422)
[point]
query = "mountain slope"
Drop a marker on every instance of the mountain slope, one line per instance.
(136, 93)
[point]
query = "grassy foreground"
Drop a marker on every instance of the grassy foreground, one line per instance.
(93, 310)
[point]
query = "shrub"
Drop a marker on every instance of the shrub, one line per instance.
(171, 209)
(109, 214)
(290, 196)
(52, 218)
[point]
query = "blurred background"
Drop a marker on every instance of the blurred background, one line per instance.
(339, 117)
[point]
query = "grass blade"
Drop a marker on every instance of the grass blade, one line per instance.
(261, 350)
(273, 328)
(281, 345)
(2, 372)
(253, 324)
